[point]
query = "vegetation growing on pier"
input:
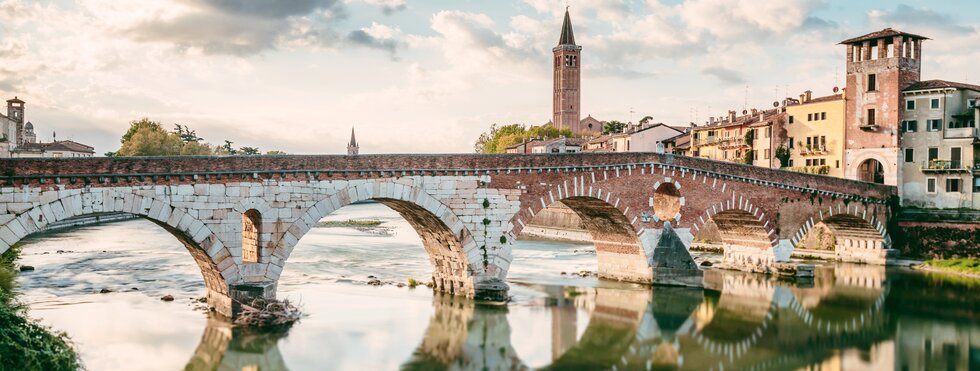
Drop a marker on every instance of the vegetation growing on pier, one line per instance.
(25, 344)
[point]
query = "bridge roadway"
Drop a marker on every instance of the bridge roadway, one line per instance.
(241, 216)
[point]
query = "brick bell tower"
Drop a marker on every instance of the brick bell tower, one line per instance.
(879, 66)
(568, 79)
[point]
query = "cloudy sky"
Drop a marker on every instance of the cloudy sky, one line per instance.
(429, 76)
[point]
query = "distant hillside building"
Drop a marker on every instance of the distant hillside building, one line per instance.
(19, 139)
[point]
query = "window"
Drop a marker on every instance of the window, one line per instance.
(768, 132)
(972, 103)
(953, 185)
(934, 125)
(955, 157)
(934, 103)
(791, 120)
(910, 105)
(767, 155)
(976, 184)
(872, 82)
(823, 115)
(909, 155)
(809, 117)
(837, 164)
(251, 232)
(961, 124)
(871, 116)
(931, 185)
(910, 126)
(933, 153)
(790, 142)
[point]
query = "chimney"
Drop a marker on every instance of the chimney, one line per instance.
(802, 98)
(808, 94)
(754, 111)
(731, 116)
(711, 120)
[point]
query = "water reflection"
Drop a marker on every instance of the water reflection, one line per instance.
(224, 347)
(846, 318)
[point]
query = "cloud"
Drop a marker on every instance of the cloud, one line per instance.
(725, 75)
(377, 36)
(907, 16)
(242, 27)
(388, 7)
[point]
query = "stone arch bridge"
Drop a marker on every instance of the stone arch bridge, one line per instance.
(240, 217)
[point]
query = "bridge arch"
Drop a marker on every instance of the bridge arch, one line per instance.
(853, 232)
(218, 266)
(618, 241)
(460, 266)
(747, 234)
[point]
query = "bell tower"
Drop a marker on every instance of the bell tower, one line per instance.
(15, 111)
(879, 66)
(352, 148)
(567, 87)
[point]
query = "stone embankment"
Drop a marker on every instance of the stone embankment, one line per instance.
(939, 234)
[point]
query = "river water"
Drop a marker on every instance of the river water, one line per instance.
(847, 317)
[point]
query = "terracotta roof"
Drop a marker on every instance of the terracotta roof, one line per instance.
(828, 98)
(888, 32)
(940, 84)
(739, 120)
(567, 37)
(658, 125)
(599, 139)
(61, 145)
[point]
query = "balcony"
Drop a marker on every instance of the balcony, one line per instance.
(945, 166)
(867, 125)
(813, 150)
(732, 142)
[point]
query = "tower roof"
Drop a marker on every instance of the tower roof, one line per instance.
(567, 36)
(888, 32)
(15, 100)
(353, 141)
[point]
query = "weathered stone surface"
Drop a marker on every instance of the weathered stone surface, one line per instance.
(467, 209)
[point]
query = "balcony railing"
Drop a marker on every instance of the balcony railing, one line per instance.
(944, 166)
(813, 150)
(730, 142)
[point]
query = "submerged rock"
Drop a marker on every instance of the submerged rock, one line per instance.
(105, 291)
(167, 297)
(26, 268)
(707, 263)
(374, 282)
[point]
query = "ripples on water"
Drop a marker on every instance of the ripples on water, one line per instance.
(849, 317)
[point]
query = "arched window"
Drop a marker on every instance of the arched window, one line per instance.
(251, 230)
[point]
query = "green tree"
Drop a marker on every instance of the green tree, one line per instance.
(249, 151)
(782, 153)
(613, 127)
(275, 153)
(645, 120)
(498, 138)
(186, 134)
(147, 138)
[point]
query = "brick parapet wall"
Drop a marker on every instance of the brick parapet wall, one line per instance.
(75, 173)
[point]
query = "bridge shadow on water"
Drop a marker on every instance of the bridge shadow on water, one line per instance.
(848, 316)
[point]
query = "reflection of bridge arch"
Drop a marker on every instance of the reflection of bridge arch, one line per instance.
(851, 284)
(225, 347)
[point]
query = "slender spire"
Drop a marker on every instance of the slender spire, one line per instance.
(353, 141)
(567, 37)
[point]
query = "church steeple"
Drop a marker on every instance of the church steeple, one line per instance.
(567, 36)
(352, 147)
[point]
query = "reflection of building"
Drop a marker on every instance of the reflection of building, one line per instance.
(815, 131)
(879, 65)
(940, 145)
(18, 139)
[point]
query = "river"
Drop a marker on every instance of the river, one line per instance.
(847, 317)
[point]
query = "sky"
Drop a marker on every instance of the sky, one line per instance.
(415, 76)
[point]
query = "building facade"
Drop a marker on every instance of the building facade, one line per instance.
(558, 145)
(747, 139)
(815, 134)
(940, 145)
(879, 66)
(651, 138)
(18, 137)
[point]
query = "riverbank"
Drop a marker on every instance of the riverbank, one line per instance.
(966, 267)
(25, 344)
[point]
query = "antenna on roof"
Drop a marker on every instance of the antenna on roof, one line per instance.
(745, 102)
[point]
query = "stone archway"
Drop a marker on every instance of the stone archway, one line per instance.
(217, 264)
(460, 265)
(871, 171)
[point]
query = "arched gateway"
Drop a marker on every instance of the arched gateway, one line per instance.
(240, 217)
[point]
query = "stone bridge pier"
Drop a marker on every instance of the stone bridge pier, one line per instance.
(240, 217)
